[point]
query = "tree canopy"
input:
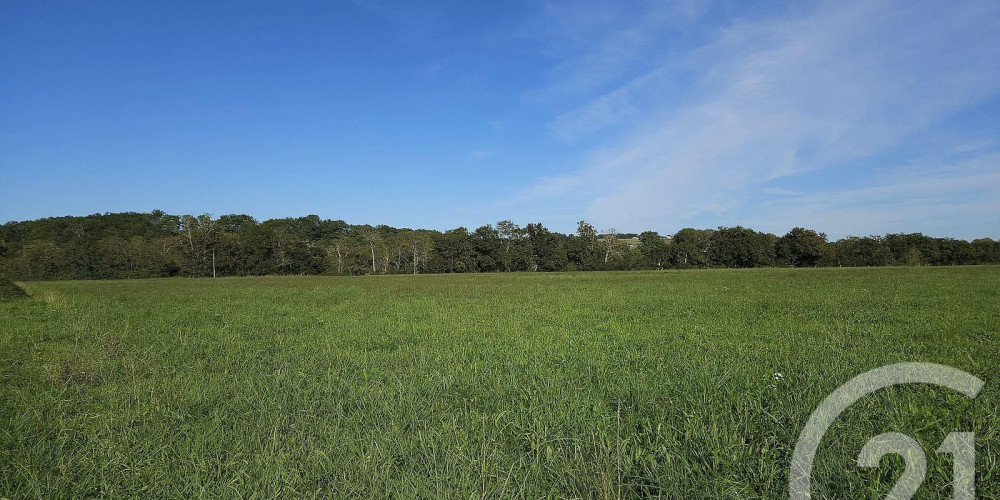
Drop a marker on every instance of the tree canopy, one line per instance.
(157, 244)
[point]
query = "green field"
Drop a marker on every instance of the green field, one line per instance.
(580, 385)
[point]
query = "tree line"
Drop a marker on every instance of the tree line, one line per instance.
(157, 244)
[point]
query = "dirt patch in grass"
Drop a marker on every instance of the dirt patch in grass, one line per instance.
(74, 370)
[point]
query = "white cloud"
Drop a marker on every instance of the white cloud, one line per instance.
(949, 199)
(597, 44)
(606, 111)
(780, 98)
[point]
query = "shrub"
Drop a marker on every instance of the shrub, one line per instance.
(10, 291)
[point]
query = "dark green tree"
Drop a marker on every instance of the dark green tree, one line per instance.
(741, 247)
(654, 250)
(515, 248)
(801, 247)
(547, 254)
(488, 248)
(454, 252)
(689, 248)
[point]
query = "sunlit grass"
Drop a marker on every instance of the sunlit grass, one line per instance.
(592, 385)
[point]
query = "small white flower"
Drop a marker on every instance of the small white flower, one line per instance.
(778, 376)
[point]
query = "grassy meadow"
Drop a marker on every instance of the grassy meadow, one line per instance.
(680, 384)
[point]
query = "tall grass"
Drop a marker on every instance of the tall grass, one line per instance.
(591, 385)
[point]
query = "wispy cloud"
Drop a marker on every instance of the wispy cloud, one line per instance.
(831, 87)
(481, 154)
(608, 110)
(949, 199)
(597, 44)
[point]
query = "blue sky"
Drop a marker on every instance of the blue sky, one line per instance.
(850, 117)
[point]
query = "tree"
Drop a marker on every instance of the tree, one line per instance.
(867, 251)
(372, 240)
(952, 252)
(581, 249)
(587, 233)
(136, 245)
(41, 260)
(741, 247)
(546, 252)
(654, 249)
(237, 223)
(985, 251)
(132, 258)
(801, 247)
(339, 250)
(900, 244)
(200, 234)
(454, 252)
(689, 248)
(489, 248)
(516, 250)
(421, 247)
(611, 247)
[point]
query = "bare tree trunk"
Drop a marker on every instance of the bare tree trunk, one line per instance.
(506, 255)
(340, 268)
(213, 262)
(414, 256)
